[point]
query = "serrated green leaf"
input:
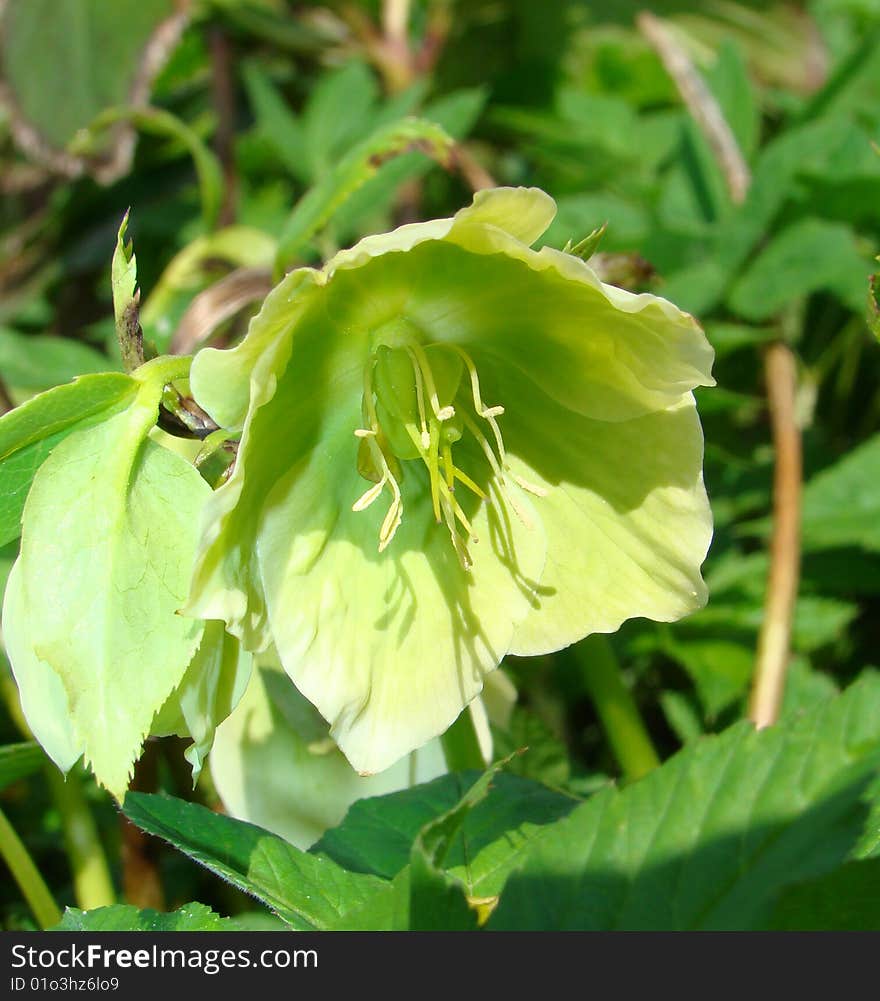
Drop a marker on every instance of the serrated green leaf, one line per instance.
(307, 891)
(30, 432)
(17, 761)
(126, 299)
(437, 899)
(108, 542)
(707, 840)
(41, 694)
(124, 917)
(378, 833)
(211, 688)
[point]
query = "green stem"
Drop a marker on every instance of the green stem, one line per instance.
(461, 748)
(616, 707)
(163, 370)
(91, 874)
(28, 877)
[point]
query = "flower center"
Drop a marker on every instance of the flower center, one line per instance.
(417, 408)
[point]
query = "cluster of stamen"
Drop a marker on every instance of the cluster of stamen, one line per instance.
(408, 416)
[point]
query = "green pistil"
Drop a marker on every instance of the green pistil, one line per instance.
(424, 400)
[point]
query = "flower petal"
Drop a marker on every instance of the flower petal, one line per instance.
(390, 647)
(225, 381)
(599, 350)
(626, 516)
(270, 768)
(523, 213)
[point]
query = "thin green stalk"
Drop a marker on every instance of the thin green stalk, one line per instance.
(616, 707)
(88, 863)
(92, 884)
(461, 748)
(27, 876)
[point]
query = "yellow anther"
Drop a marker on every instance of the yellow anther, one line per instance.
(418, 432)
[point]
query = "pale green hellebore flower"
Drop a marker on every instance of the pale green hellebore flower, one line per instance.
(454, 447)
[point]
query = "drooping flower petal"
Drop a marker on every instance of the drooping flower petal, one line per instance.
(450, 355)
(272, 765)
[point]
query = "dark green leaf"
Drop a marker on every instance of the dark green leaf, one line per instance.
(847, 899)
(307, 891)
(377, 834)
(807, 256)
(437, 899)
(841, 505)
(707, 840)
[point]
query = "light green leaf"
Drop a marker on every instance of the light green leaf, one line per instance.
(107, 550)
(35, 361)
(212, 687)
(125, 918)
(708, 840)
(308, 892)
(43, 699)
(29, 433)
(17, 761)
